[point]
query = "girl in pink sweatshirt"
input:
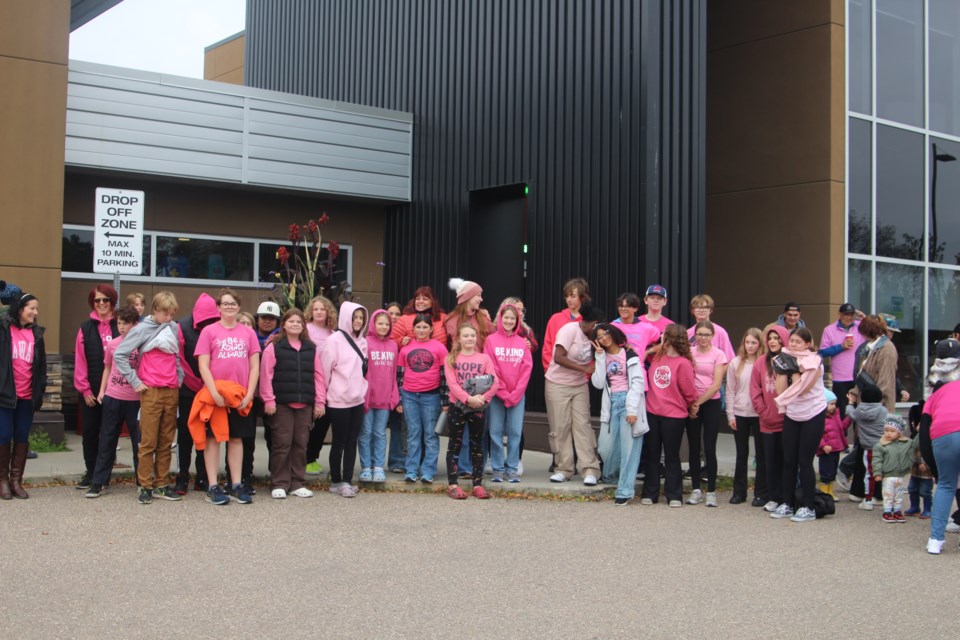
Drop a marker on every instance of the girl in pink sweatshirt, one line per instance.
(464, 363)
(512, 362)
(293, 391)
(382, 396)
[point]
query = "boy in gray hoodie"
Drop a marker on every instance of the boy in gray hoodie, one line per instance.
(868, 416)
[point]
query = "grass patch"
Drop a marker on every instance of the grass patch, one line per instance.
(40, 442)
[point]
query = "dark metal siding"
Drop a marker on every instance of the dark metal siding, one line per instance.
(598, 104)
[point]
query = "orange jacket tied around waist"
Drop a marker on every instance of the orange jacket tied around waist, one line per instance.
(205, 410)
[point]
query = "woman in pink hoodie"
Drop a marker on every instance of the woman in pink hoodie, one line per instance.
(344, 362)
(512, 363)
(762, 393)
(382, 396)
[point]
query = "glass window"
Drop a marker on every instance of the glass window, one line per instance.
(900, 294)
(77, 254)
(944, 202)
(944, 55)
(859, 284)
(859, 73)
(859, 188)
(900, 193)
(900, 60)
(331, 273)
(943, 310)
(201, 259)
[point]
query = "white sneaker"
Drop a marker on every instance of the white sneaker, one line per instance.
(302, 492)
(520, 468)
(934, 546)
(952, 527)
(853, 498)
(711, 499)
(590, 481)
(804, 515)
(783, 511)
(866, 505)
(488, 470)
(646, 501)
(695, 497)
(558, 477)
(675, 504)
(770, 507)
(279, 494)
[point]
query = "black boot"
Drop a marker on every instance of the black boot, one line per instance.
(5, 450)
(16, 469)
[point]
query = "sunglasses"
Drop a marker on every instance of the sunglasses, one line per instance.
(101, 300)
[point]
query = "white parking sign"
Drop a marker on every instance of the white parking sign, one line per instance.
(118, 235)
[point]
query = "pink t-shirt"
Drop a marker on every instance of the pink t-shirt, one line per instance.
(640, 335)
(118, 387)
(705, 365)
(944, 408)
(230, 351)
(578, 348)
(23, 343)
(319, 335)
(660, 324)
(721, 340)
(617, 371)
(423, 365)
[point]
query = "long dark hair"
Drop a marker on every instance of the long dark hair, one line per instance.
(427, 292)
(14, 310)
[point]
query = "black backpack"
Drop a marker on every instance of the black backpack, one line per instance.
(823, 503)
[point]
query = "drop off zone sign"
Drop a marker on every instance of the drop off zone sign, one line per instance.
(118, 235)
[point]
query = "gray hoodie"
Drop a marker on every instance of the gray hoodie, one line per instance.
(869, 417)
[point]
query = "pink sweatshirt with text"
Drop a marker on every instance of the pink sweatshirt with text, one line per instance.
(467, 367)
(382, 391)
(512, 362)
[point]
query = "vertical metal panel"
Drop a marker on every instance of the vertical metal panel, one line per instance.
(598, 105)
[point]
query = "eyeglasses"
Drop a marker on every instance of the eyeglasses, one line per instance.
(702, 308)
(229, 304)
(625, 306)
(101, 301)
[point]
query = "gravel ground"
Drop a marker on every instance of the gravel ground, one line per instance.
(387, 565)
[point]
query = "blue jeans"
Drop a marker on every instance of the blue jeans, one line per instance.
(608, 449)
(505, 420)
(15, 423)
(629, 447)
(946, 451)
(421, 411)
(373, 436)
(395, 455)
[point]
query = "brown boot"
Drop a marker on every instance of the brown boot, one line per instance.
(20, 450)
(5, 450)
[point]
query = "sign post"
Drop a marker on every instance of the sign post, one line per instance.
(118, 233)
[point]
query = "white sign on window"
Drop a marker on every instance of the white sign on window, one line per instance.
(118, 232)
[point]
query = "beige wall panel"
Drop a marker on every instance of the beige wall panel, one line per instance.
(770, 106)
(232, 77)
(838, 107)
(733, 22)
(223, 60)
(45, 284)
(35, 30)
(737, 320)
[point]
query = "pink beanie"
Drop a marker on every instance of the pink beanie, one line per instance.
(465, 289)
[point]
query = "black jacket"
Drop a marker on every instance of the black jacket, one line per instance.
(293, 376)
(8, 390)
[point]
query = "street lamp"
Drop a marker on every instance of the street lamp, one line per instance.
(937, 159)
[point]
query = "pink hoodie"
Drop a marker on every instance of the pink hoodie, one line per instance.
(512, 361)
(762, 391)
(205, 308)
(466, 367)
(342, 367)
(382, 391)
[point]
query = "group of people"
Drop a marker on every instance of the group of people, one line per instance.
(417, 371)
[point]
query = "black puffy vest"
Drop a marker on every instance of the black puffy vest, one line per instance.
(93, 350)
(293, 375)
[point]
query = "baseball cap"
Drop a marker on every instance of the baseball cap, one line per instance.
(846, 307)
(269, 308)
(892, 323)
(948, 348)
(655, 290)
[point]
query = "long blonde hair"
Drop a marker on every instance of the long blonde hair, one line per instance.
(331, 311)
(742, 349)
(457, 348)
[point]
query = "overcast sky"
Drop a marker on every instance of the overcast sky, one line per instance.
(166, 36)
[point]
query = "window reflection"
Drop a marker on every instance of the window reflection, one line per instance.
(858, 29)
(195, 258)
(944, 202)
(859, 188)
(859, 284)
(900, 193)
(900, 60)
(900, 294)
(330, 274)
(77, 251)
(944, 55)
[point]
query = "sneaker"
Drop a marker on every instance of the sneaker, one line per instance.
(888, 516)
(180, 488)
(201, 485)
(95, 491)
(497, 476)
(167, 493)
(619, 502)
(248, 487)
(240, 494)
(408, 480)
(877, 501)
(335, 487)
(934, 546)
(804, 515)
(314, 468)
(513, 477)
(770, 507)
(952, 527)
(379, 476)
(520, 468)
(675, 504)
(278, 493)
(426, 480)
(456, 493)
(145, 496)
(84, 482)
(217, 496)
(397, 470)
(487, 469)
(853, 498)
(558, 477)
(695, 497)
(347, 490)
(302, 492)
(866, 505)
(480, 493)
(711, 499)
(758, 502)
(366, 475)
(646, 501)
(590, 481)
(783, 511)
(898, 516)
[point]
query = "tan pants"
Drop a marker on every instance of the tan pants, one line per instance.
(288, 452)
(158, 428)
(568, 411)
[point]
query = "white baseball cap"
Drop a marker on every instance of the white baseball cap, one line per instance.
(269, 309)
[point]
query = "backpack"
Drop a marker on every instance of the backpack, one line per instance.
(823, 503)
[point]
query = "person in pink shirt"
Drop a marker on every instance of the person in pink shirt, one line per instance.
(423, 301)
(383, 396)
(229, 351)
(513, 362)
(121, 405)
(293, 391)
(465, 362)
(468, 311)
(322, 316)
(656, 299)
(670, 394)
(23, 379)
(643, 337)
(701, 306)
(743, 420)
(576, 292)
(762, 394)
(157, 379)
(706, 413)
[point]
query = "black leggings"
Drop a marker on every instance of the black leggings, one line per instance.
(800, 443)
(476, 421)
(346, 425)
(745, 428)
(708, 420)
(773, 454)
(317, 435)
(667, 434)
(185, 444)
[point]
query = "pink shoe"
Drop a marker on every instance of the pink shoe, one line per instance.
(480, 493)
(456, 493)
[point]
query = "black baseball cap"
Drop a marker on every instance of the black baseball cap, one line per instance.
(846, 308)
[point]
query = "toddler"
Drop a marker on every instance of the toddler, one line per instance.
(892, 461)
(921, 478)
(833, 442)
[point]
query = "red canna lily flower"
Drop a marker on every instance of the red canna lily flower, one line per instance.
(283, 255)
(294, 233)
(324, 219)
(334, 249)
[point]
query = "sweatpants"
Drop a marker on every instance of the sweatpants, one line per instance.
(800, 443)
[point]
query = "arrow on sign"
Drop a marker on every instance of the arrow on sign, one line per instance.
(118, 235)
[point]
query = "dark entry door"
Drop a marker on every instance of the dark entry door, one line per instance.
(498, 218)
